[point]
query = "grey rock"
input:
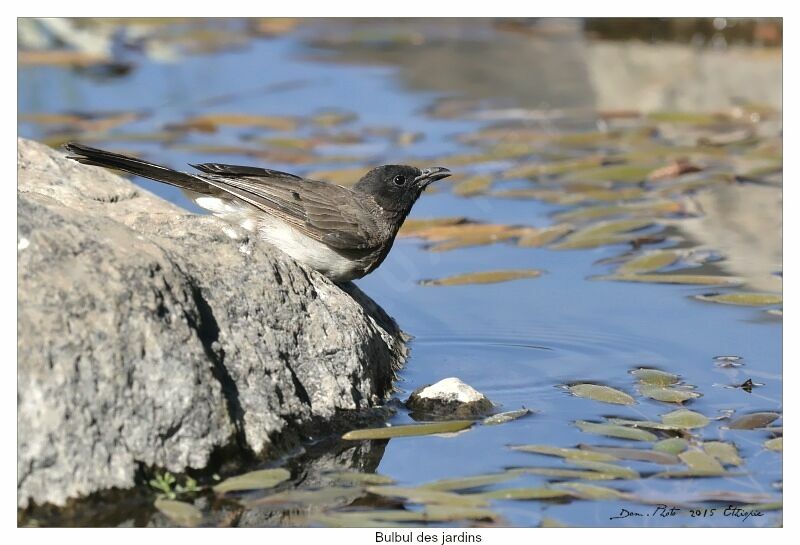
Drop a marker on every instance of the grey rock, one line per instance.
(151, 337)
(450, 398)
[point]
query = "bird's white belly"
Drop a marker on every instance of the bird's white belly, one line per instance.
(308, 251)
(302, 248)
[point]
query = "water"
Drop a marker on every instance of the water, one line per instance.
(517, 342)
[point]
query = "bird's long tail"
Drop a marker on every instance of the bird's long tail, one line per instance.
(97, 157)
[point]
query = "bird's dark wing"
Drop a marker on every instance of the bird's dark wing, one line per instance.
(239, 170)
(329, 213)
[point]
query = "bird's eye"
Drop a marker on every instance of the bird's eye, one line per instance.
(399, 179)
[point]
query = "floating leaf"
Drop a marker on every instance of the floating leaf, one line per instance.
(265, 478)
(617, 173)
(773, 506)
(211, 122)
(549, 522)
(753, 420)
(655, 377)
(537, 238)
(673, 445)
(726, 453)
(686, 419)
(356, 477)
(485, 277)
(688, 117)
(333, 118)
(380, 517)
(181, 513)
(465, 483)
(525, 494)
(643, 424)
(412, 226)
(618, 472)
(534, 170)
(322, 496)
(408, 430)
(593, 492)
(474, 239)
(612, 430)
(473, 185)
(649, 209)
(746, 299)
(775, 444)
(673, 170)
(568, 453)
(689, 279)
(605, 394)
(567, 473)
(668, 395)
(649, 262)
(602, 233)
(344, 176)
(502, 418)
(427, 495)
(698, 460)
(643, 455)
(693, 473)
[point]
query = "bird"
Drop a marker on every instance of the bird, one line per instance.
(344, 233)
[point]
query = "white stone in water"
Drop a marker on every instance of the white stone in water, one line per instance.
(452, 389)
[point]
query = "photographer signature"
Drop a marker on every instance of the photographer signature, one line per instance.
(666, 511)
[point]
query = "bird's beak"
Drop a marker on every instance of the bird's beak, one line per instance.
(430, 175)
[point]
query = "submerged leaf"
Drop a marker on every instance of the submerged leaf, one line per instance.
(746, 299)
(181, 513)
(485, 277)
(753, 420)
(613, 430)
(265, 478)
(686, 419)
(605, 394)
(408, 430)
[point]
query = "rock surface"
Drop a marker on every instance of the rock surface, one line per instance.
(448, 398)
(151, 337)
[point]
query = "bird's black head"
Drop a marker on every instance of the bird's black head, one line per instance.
(397, 187)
